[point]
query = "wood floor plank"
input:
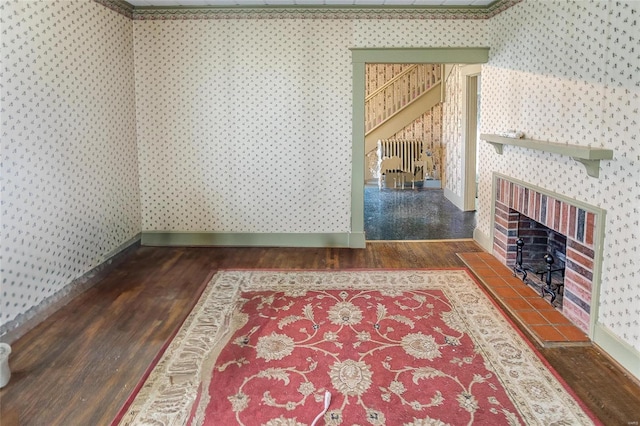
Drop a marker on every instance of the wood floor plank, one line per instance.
(79, 366)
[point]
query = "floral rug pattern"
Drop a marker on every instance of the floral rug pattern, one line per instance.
(392, 347)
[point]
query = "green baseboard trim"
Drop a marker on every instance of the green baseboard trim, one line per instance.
(483, 239)
(357, 240)
(251, 239)
(623, 353)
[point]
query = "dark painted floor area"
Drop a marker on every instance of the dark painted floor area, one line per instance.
(414, 214)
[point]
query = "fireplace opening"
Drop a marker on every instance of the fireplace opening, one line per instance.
(580, 227)
(541, 258)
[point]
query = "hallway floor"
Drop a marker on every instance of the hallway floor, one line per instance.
(414, 214)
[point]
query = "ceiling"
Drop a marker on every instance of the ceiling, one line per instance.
(422, 3)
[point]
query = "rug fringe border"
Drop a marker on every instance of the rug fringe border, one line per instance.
(136, 389)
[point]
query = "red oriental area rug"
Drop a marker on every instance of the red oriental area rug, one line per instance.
(344, 348)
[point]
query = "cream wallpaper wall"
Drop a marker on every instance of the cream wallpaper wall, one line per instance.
(245, 125)
(569, 72)
(69, 178)
(452, 130)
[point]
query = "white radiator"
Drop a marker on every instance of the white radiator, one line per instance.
(401, 155)
(408, 151)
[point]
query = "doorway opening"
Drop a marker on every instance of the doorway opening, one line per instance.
(407, 201)
(360, 57)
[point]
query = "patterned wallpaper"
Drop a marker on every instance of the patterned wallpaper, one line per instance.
(209, 158)
(377, 75)
(427, 127)
(568, 72)
(69, 163)
(245, 125)
(421, 33)
(452, 130)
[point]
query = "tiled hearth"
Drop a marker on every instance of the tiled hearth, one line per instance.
(533, 313)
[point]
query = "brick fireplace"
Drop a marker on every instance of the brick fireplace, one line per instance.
(575, 222)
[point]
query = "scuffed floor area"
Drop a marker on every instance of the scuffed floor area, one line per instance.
(414, 214)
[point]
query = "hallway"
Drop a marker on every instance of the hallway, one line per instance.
(414, 214)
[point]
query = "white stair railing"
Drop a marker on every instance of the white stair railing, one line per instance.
(399, 92)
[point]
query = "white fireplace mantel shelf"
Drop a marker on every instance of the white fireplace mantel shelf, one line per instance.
(588, 156)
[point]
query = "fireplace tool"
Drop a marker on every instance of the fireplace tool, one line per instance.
(518, 268)
(548, 288)
(545, 273)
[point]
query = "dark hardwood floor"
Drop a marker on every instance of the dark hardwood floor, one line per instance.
(79, 366)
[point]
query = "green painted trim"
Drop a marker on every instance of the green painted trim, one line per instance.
(598, 238)
(588, 156)
(311, 7)
(496, 4)
(500, 6)
(247, 239)
(598, 246)
(357, 148)
(362, 56)
(320, 12)
(623, 353)
(119, 6)
(357, 240)
(307, 11)
(492, 218)
(417, 55)
(404, 116)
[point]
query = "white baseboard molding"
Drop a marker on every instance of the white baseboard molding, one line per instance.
(23, 323)
(456, 199)
(483, 239)
(621, 352)
(249, 239)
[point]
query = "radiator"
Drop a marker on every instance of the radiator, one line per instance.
(407, 150)
(401, 155)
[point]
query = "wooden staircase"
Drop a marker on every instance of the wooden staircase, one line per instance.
(401, 100)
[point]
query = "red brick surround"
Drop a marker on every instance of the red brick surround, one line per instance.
(577, 224)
